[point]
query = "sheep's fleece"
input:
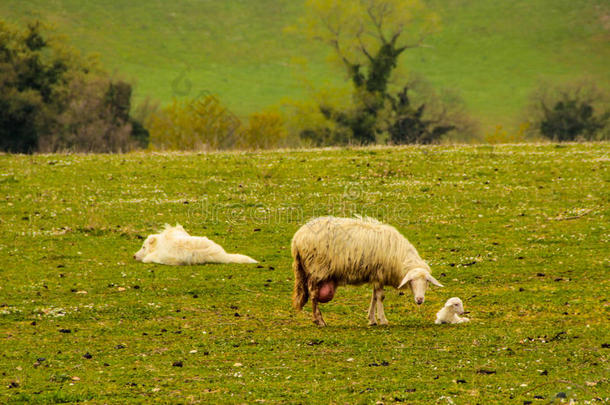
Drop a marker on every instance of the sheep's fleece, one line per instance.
(174, 246)
(341, 251)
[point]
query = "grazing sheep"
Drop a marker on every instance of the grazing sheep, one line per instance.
(449, 314)
(174, 246)
(330, 251)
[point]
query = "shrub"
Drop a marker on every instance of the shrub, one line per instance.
(575, 111)
(325, 136)
(204, 124)
(189, 124)
(265, 130)
(569, 119)
(501, 135)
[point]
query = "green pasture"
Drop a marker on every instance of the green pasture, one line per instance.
(519, 232)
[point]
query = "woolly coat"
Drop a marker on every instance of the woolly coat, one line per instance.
(449, 313)
(174, 246)
(350, 251)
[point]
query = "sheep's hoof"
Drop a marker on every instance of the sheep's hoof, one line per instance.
(372, 323)
(383, 322)
(319, 322)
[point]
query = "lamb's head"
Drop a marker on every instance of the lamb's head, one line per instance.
(148, 247)
(419, 279)
(455, 305)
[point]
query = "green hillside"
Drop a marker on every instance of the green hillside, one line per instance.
(493, 53)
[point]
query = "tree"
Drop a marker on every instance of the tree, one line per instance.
(368, 37)
(95, 118)
(29, 75)
(409, 125)
(53, 99)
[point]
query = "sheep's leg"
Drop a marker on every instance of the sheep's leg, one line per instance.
(317, 315)
(379, 296)
(372, 320)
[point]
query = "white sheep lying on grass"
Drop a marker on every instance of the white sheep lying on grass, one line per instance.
(330, 251)
(449, 314)
(174, 246)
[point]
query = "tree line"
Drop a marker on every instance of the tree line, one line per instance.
(54, 99)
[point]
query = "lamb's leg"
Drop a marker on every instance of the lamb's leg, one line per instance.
(317, 315)
(379, 296)
(372, 320)
(461, 320)
(150, 259)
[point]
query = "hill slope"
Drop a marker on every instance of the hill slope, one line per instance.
(493, 53)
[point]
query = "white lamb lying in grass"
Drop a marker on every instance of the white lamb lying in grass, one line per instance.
(449, 314)
(174, 246)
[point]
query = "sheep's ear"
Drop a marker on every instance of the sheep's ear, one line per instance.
(408, 277)
(152, 240)
(433, 280)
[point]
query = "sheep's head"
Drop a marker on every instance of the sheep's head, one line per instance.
(455, 304)
(419, 279)
(147, 247)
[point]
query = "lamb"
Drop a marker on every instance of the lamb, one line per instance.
(449, 313)
(174, 246)
(329, 252)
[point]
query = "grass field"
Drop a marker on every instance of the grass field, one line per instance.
(519, 232)
(492, 53)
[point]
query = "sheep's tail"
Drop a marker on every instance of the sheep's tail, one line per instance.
(300, 294)
(237, 258)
